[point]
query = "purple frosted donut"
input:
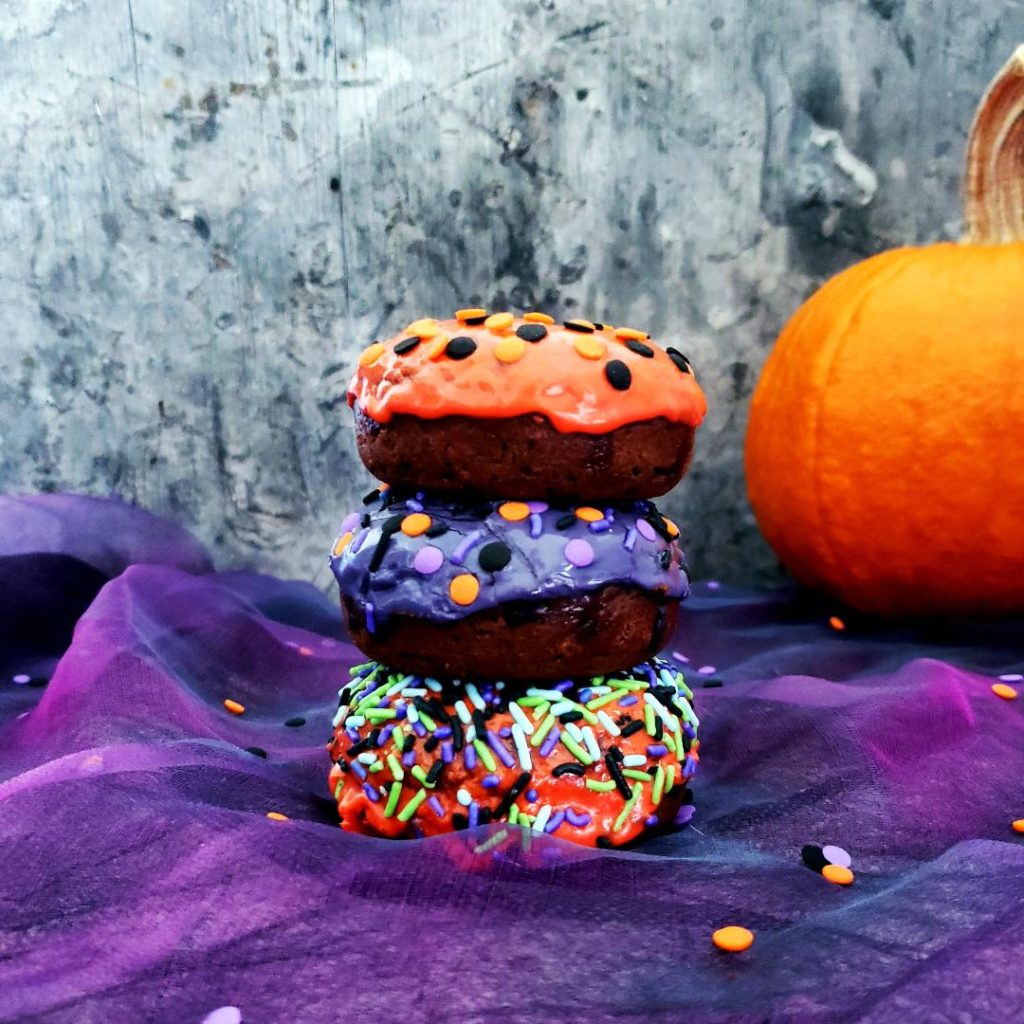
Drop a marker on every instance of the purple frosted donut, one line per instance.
(508, 589)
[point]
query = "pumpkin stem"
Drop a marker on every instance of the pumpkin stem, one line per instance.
(994, 183)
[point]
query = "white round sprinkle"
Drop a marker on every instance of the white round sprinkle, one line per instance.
(1006, 677)
(837, 855)
(464, 797)
(225, 1015)
(706, 670)
(21, 679)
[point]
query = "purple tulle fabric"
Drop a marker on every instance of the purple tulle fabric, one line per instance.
(141, 881)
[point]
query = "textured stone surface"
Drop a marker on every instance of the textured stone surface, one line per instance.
(208, 209)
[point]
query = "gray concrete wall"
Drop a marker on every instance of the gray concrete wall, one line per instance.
(209, 208)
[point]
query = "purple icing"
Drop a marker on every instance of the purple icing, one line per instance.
(414, 574)
(350, 523)
(537, 506)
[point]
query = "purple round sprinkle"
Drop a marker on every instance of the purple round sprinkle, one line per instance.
(680, 657)
(489, 781)
(21, 679)
(537, 506)
(428, 559)
(531, 796)
(706, 670)
(350, 523)
(463, 548)
(504, 732)
(1006, 677)
(685, 814)
(651, 820)
(645, 529)
(413, 505)
(579, 553)
(713, 584)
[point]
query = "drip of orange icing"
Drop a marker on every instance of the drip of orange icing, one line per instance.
(551, 379)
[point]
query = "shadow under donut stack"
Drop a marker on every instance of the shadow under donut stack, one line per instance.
(512, 582)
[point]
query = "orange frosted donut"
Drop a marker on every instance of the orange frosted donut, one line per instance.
(524, 407)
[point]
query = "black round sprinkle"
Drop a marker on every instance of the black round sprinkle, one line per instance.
(255, 751)
(532, 332)
(618, 374)
(495, 556)
(460, 347)
(579, 325)
(335, 184)
(634, 346)
(682, 363)
(813, 857)
(566, 521)
(294, 723)
(712, 684)
(604, 843)
(473, 321)
(406, 345)
(436, 529)
(598, 326)
(391, 525)
(664, 559)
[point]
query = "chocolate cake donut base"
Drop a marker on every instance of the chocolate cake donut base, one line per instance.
(525, 456)
(605, 630)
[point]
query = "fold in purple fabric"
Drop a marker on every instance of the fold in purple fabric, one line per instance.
(141, 880)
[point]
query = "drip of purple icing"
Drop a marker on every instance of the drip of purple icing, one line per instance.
(625, 550)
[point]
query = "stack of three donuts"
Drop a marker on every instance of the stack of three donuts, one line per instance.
(514, 581)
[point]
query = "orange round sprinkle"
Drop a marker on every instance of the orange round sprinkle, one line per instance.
(499, 321)
(464, 588)
(277, 816)
(608, 328)
(510, 349)
(837, 623)
(630, 334)
(342, 543)
(672, 528)
(425, 328)
(469, 314)
(1004, 691)
(589, 514)
(1018, 825)
(837, 874)
(372, 354)
(732, 938)
(415, 524)
(234, 707)
(437, 348)
(589, 347)
(514, 511)
(539, 318)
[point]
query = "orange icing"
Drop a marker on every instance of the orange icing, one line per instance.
(551, 379)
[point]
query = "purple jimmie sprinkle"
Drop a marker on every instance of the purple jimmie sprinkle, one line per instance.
(536, 525)
(499, 748)
(585, 694)
(358, 542)
(689, 767)
(443, 732)
(409, 758)
(371, 622)
(564, 685)
(686, 812)
(575, 819)
(549, 744)
(489, 781)
(651, 820)
(469, 756)
(385, 734)
(447, 752)
(419, 728)
(609, 514)
(600, 526)
(628, 701)
(437, 806)
(458, 556)
(554, 821)
(656, 750)
(358, 769)
(413, 505)
(401, 712)
(474, 814)
(689, 730)
(371, 793)
(629, 541)
(504, 732)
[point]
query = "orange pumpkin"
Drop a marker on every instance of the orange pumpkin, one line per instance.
(885, 448)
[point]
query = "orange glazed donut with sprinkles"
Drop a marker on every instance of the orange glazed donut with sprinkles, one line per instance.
(526, 408)
(512, 583)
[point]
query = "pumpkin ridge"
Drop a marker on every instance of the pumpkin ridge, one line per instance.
(839, 334)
